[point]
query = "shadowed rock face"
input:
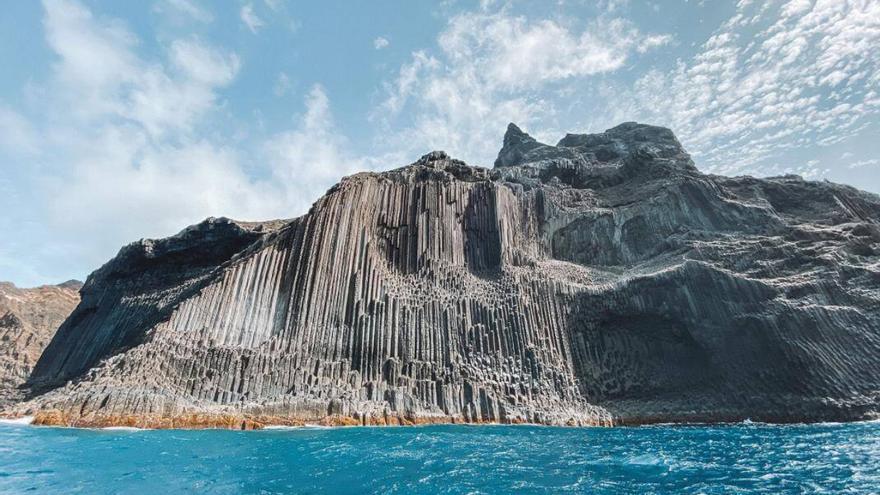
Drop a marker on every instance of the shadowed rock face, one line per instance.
(28, 320)
(603, 280)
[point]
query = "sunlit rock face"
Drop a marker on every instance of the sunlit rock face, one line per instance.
(604, 280)
(28, 321)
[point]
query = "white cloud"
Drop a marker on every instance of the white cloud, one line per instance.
(129, 149)
(132, 161)
(17, 135)
(517, 53)
(282, 85)
(311, 157)
(250, 18)
(189, 8)
(95, 56)
(869, 162)
(98, 74)
(774, 79)
(274, 4)
(203, 63)
(493, 68)
(380, 43)
(131, 187)
(648, 43)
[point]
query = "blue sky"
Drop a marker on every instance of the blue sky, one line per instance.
(122, 120)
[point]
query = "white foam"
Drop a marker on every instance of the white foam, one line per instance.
(24, 420)
(306, 426)
(121, 428)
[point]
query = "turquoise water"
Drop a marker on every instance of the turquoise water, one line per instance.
(830, 458)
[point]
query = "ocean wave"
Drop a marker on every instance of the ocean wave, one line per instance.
(24, 420)
(450, 459)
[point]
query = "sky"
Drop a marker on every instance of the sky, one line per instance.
(129, 120)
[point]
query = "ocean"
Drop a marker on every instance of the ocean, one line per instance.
(743, 458)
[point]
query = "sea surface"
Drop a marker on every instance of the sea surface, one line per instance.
(744, 458)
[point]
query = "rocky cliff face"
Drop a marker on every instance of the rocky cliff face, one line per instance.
(604, 280)
(28, 321)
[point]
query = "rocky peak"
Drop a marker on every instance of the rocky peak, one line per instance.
(455, 168)
(433, 158)
(71, 284)
(517, 145)
(437, 165)
(629, 142)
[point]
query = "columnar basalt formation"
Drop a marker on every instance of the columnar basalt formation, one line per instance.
(28, 320)
(604, 280)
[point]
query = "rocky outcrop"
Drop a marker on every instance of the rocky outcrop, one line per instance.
(28, 320)
(604, 280)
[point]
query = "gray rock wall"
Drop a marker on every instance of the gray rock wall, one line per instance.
(603, 280)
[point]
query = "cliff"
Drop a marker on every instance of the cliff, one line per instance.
(604, 280)
(28, 320)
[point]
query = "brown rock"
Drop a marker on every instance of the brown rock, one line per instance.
(28, 321)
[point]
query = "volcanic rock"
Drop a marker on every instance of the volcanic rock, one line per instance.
(604, 280)
(28, 321)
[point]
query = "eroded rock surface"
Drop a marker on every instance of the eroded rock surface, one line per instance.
(28, 321)
(604, 280)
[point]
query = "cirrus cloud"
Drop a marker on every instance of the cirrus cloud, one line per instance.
(777, 78)
(493, 68)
